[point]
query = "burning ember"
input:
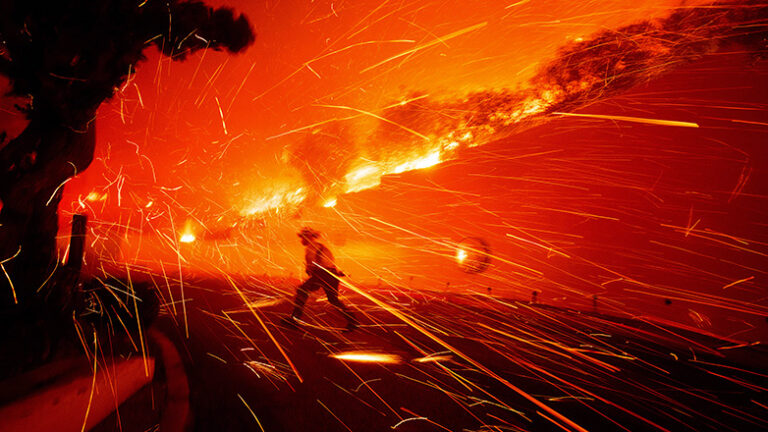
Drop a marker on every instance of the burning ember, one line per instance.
(366, 357)
(461, 255)
(187, 235)
(187, 238)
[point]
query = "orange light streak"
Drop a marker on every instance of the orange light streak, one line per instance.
(7, 276)
(633, 119)
(437, 41)
(738, 282)
(142, 343)
(433, 358)
(264, 326)
(334, 415)
(367, 357)
(378, 117)
(459, 353)
(251, 411)
(93, 382)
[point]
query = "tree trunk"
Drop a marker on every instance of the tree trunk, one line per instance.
(35, 165)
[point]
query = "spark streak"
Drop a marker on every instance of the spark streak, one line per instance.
(365, 357)
(264, 326)
(658, 122)
(470, 360)
(437, 41)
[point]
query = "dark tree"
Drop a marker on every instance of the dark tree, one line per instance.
(66, 58)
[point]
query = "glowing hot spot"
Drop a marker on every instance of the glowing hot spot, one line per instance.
(461, 255)
(187, 234)
(364, 357)
(419, 163)
(365, 177)
(96, 196)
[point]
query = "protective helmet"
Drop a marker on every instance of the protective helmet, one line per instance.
(308, 232)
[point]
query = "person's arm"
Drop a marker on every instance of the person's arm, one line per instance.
(329, 262)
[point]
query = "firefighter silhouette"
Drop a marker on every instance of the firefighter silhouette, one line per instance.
(322, 272)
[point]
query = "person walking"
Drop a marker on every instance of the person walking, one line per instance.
(322, 272)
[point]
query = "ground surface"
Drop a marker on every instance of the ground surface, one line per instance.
(510, 366)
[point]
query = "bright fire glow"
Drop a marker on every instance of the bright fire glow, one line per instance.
(330, 203)
(276, 201)
(364, 357)
(96, 196)
(187, 234)
(365, 177)
(420, 163)
(461, 255)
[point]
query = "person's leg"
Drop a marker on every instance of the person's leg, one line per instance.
(302, 293)
(331, 288)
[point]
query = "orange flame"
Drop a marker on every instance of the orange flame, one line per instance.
(187, 235)
(285, 197)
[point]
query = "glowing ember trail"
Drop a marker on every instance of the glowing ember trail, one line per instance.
(364, 357)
